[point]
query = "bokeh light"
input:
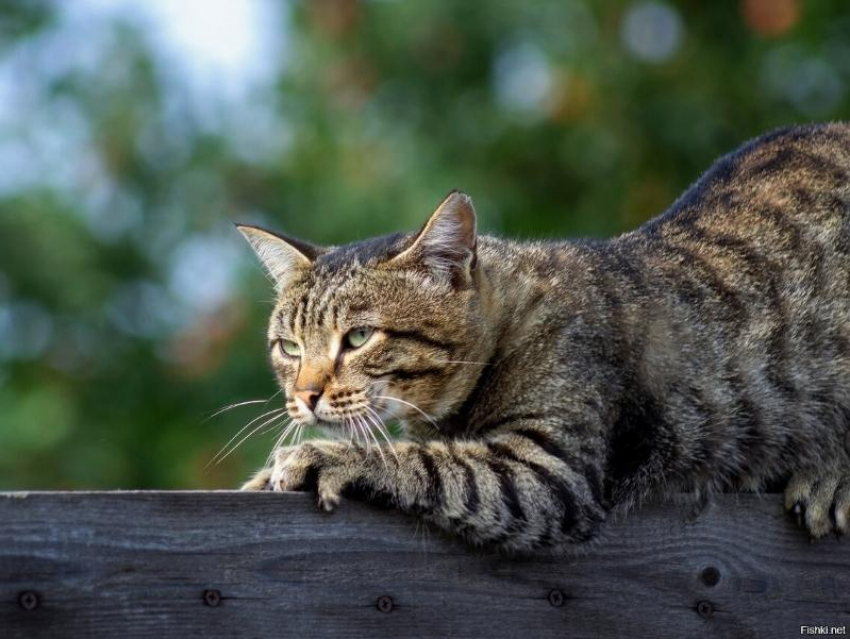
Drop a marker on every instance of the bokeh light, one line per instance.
(133, 133)
(652, 31)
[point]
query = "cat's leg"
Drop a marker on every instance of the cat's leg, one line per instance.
(821, 501)
(519, 490)
(260, 481)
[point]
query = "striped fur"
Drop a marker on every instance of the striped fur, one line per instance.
(708, 350)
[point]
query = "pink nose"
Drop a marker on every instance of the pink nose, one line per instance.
(309, 396)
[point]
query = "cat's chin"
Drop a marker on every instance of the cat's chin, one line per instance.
(331, 430)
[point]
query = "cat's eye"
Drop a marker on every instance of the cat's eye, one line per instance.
(355, 338)
(290, 348)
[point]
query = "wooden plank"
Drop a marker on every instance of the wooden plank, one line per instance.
(138, 564)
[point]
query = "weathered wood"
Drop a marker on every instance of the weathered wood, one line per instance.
(138, 565)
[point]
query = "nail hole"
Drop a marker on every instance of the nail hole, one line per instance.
(710, 576)
(385, 603)
(705, 609)
(28, 600)
(212, 598)
(556, 598)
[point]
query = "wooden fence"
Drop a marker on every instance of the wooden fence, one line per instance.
(226, 564)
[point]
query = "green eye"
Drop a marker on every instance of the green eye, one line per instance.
(290, 348)
(357, 337)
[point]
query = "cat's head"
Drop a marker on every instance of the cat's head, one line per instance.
(389, 328)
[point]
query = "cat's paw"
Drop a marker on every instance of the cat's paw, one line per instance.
(260, 481)
(321, 466)
(821, 503)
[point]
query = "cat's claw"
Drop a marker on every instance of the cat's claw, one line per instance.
(820, 503)
(329, 502)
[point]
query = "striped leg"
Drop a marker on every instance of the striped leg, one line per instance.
(519, 490)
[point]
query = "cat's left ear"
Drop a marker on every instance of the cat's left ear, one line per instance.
(446, 245)
(281, 256)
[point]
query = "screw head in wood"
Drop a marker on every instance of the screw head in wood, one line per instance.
(556, 598)
(385, 603)
(28, 600)
(705, 609)
(710, 576)
(212, 598)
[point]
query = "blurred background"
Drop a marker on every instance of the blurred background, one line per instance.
(132, 133)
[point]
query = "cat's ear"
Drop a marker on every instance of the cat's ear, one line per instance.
(281, 256)
(446, 245)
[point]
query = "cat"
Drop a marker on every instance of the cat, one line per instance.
(544, 386)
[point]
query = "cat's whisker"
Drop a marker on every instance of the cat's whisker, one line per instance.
(277, 441)
(357, 419)
(346, 424)
(246, 403)
(366, 443)
(375, 418)
(224, 409)
(249, 435)
(290, 430)
(353, 433)
(275, 411)
(284, 433)
(352, 441)
(413, 406)
(367, 427)
(270, 429)
(365, 432)
(275, 446)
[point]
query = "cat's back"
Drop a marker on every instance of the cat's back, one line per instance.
(800, 173)
(768, 220)
(767, 227)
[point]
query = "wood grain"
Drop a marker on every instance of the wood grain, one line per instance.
(138, 564)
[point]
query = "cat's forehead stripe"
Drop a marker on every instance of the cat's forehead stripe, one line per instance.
(327, 300)
(283, 318)
(298, 320)
(312, 294)
(318, 304)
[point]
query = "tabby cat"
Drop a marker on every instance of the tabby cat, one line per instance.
(544, 385)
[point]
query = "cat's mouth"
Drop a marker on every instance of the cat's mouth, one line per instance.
(357, 413)
(365, 428)
(341, 414)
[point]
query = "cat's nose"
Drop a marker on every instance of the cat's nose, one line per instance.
(309, 396)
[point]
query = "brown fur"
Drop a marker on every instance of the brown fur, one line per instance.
(554, 382)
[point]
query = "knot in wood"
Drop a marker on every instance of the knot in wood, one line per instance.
(710, 576)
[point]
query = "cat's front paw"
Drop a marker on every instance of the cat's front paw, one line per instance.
(821, 503)
(260, 481)
(321, 466)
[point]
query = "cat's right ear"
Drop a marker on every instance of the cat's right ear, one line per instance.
(281, 256)
(446, 244)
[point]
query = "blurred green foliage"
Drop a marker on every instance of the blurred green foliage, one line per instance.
(129, 309)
